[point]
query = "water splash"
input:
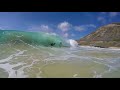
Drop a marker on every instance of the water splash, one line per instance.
(72, 43)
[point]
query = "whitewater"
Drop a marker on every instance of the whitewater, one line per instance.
(32, 55)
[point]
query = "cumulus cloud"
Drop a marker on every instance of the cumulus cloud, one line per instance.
(64, 26)
(84, 27)
(43, 28)
(113, 14)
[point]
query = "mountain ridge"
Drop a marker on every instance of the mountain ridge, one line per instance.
(105, 36)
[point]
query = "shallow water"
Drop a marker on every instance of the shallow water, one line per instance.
(27, 61)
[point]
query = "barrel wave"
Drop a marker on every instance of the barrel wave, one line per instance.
(33, 38)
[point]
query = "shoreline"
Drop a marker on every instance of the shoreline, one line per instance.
(114, 47)
(101, 47)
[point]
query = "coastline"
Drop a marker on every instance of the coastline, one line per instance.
(114, 47)
(101, 47)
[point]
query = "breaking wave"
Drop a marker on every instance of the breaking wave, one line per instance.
(33, 38)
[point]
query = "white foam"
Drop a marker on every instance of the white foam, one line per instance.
(80, 53)
(75, 75)
(73, 43)
(12, 56)
(9, 68)
(96, 75)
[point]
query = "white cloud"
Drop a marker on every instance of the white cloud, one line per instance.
(101, 19)
(64, 26)
(66, 35)
(43, 28)
(79, 28)
(84, 27)
(91, 25)
(113, 14)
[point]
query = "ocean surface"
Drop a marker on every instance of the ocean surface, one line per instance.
(30, 55)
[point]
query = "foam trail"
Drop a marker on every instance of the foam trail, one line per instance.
(12, 56)
(8, 67)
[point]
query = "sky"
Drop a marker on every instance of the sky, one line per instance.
(71, 25)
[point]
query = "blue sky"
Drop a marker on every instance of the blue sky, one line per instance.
(72, 25)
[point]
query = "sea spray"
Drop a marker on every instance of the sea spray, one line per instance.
(73, 43)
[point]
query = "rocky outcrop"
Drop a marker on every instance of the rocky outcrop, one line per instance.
(105, 36)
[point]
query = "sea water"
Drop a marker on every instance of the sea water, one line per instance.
(29, 55)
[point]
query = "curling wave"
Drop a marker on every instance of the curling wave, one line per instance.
(33, 38)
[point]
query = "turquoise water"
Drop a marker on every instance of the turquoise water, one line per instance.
(33, 38)
(29, 55)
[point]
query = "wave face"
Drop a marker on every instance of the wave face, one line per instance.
(33, 38)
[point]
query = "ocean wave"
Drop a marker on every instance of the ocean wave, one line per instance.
(33, 38)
